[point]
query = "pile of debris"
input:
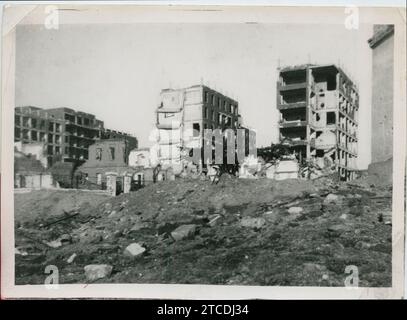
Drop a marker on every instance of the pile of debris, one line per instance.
(247, 232)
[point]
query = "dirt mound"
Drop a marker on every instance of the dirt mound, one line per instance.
(247, 232)
(43, 204)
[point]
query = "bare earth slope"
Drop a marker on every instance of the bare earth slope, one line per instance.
(245, 232)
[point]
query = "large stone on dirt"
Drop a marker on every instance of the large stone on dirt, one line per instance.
(71, 258)
(65, 238)
(94, 272)
(54, 243)
(91, 236)
(183, 232)
(254, 223)
(140, 225)
(295, 210)
(332, 199)
(134, 250)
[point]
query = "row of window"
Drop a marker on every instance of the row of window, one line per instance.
(69, 152)
(48, 138)
(222, 104)
(36, 123)
(78, 120)
(38, 136)
(99, 152)
(217, 117)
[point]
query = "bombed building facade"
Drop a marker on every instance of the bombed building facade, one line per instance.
(318, 107)
(184, 114)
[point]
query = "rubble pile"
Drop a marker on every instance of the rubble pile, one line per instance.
(242, 232)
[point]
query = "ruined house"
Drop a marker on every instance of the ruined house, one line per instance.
(318, 108)
(106, 156)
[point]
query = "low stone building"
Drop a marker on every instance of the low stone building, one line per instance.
(108, 168)
(106, 157)
(30, 173)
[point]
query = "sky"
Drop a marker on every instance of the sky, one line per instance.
(116, 71)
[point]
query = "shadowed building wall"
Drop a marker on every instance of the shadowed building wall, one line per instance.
(382, 44)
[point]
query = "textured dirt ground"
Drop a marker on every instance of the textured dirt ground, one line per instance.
(311, 246)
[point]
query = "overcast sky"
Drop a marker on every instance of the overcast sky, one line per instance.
(116, 71)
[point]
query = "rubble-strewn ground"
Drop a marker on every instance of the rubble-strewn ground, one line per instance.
(247, 232)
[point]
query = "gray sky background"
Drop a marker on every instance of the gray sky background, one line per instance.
(116, 71)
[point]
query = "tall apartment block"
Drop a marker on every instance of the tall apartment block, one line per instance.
(382, 45)
(184, 114)
(318, 108)
(66, 133)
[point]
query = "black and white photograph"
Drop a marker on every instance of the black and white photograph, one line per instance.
(232, 147)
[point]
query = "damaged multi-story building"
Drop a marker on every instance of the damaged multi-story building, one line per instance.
(318, 106)
(184, 114)
(65, 134)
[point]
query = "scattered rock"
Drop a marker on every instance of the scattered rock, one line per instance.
(140, 225)
(71, 258)
(91, 236)
(184, 231)
(54, 244)
(362, 245)
(214, 220)
(344, 216)
(255, 223)
(94, 272)
(387, 217)
(20, 252)
(65, 238)
(165, 227)
(295, 210)
(122, 205)
(134, 250)
(310, 267)
(331, 199)
(112, 214)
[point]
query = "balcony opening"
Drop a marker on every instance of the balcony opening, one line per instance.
(293, 96)
(326, 75)
(293, 115)
(293, 76)
(294, 133)
(330, 118)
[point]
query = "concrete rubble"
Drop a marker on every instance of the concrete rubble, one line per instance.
(95, 272)
(184, 231)
(240, 231)
(134, 250)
